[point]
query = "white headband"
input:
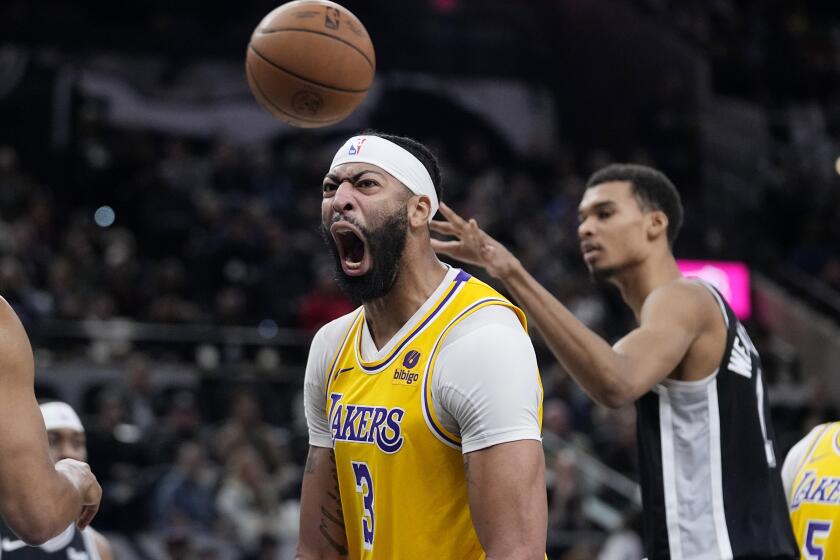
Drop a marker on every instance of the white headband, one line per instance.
(394, 159)
(61, 416)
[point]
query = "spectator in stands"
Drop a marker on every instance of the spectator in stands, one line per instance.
(565, 508)
(245, 427)
(248, 499)
(117, 456)
(625, 543)
(185, 495)
(181, 423)
(138, 393)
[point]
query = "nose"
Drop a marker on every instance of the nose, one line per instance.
(585, 229)
(344, 198)
(69, 451)
(65, 451)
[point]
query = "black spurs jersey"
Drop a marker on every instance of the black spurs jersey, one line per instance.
(71, 545)
(711, 484)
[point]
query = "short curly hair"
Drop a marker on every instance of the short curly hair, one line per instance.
(652, 189)
(418, 150)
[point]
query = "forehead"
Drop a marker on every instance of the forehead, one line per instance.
(65, 433)
(615, 192)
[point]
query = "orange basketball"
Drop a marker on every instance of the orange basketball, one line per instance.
(310, 63)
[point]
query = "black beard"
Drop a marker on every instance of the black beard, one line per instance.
(386, 244)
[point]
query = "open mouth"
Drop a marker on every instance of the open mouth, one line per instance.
(352, 248)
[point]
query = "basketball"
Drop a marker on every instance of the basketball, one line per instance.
(310, 63)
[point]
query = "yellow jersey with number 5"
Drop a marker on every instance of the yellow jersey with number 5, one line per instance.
(815, 497)
(400, 471)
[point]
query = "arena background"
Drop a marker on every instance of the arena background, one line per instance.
(158, 230)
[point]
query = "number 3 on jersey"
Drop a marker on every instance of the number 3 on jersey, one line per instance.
(816, 531)
(364, 486)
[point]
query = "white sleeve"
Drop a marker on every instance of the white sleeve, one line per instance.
(795, 457)
(324, 346)
(486, 382)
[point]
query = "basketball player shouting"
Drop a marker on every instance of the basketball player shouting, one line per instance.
(67, 441)
(424, 405)
(38, 500)
(710, 480)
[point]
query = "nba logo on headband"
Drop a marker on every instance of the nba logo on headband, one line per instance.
(357, 148)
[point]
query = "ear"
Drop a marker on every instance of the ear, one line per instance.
(657, 225)
(419, 209)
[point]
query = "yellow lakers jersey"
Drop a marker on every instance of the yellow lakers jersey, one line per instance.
(400, 471)
(815, 497)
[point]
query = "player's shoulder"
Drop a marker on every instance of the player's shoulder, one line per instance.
(15, 350)
(686, 296)
(9, 320)
(798, 453)
(682, 288)
(487, 324)
(817, 432)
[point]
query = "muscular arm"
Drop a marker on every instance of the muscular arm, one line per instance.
(614, 376)
(506, 485)
(670, 321)
(322, 533)
(37, 501)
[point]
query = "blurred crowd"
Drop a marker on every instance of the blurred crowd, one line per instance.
(784, 57)
(181, 482)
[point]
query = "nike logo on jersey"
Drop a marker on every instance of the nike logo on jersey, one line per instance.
(344, 370)
(820, 457)
(357, 423)
(9, 545)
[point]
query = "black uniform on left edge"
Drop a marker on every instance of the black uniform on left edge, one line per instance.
(72, 544)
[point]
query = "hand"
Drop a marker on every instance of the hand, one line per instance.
(472, 244)
(85, 482)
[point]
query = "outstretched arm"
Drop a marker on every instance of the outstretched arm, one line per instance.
(671, 319)
(38, 500)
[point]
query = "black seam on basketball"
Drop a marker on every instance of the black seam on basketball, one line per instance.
(339, 39)
(304, 78)
(280, 109)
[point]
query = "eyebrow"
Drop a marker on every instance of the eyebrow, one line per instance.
(336, 179)
(596, 206)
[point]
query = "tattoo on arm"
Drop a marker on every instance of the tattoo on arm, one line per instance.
(332, 518)
(467, 467)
